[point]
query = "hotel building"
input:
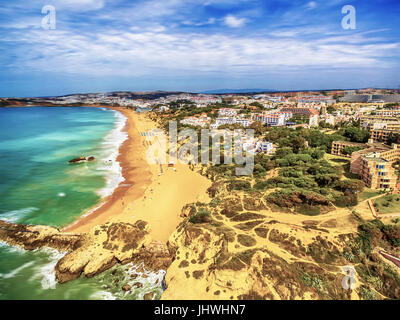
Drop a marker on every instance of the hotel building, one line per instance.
(374, 165)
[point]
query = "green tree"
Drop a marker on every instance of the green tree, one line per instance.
(258, 128)
(393, 138)
(356, 134)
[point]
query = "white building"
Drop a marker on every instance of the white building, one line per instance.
(244, 122)
(272, 119)
(196, 121)
(265, 147)
(314, 120)
(227, 112)
(225, 121)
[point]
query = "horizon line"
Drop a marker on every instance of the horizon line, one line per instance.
(207, 92)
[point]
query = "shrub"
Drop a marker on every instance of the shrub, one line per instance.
(347, 200)
(367, 293)
(259, 170)
(349, 185)
(294, 198)
(392, 234)
(239, 185)
(215, 202)
(201, 216)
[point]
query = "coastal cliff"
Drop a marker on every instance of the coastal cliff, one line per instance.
(91, 253)
(233, 254)
(237, 248)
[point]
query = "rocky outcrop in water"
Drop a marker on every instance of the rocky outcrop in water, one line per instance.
(91, 253)
(33, 237)
(82, 159)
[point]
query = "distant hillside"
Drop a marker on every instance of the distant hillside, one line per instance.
(224, 91)
(150, 95)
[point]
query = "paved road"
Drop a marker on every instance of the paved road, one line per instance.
(392, 258)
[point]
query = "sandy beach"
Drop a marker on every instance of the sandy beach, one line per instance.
(145, 194)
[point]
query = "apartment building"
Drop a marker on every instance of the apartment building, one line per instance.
(314, 120)
(377, 173)
(227, 112)
(381, 127)
(382, 135)
(272, 119)
(368, 122)
(301, 111)
(244, 122)
(338, 146)
(374, 165)
(197, 121)
(225, 121)
(388, 113)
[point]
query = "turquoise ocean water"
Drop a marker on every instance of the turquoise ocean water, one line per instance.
(38, 186)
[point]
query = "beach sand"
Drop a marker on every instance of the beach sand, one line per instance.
(146, 195)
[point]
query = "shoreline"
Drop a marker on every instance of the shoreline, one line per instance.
(146, 193)
(95, 213)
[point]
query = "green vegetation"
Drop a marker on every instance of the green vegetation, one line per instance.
(238, 185)
(200, 216)
(330, 109)
(297, 138)
(257, 105)
(312, 281)
(350, 150)
(307, 181)
(303, 180)
(367, 293)
(258, 128)
(368, 193)
(393, 138)
(336, 160)
(376, 233)
(356, 134)
(371, 268)
(388, 204)
(299, 119)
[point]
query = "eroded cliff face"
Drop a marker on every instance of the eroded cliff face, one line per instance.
(91, 253)
(238, 249)
(211, 265)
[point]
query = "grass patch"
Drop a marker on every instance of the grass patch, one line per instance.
(368, 193)
(308, 210)
(388, 204)
(336, 160)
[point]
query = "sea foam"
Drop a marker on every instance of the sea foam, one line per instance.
(45, 273)
(16, 271)
(110, 151)
(15, 215)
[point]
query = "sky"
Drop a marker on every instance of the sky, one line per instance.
(196, 45)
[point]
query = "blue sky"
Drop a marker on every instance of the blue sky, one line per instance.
(196, 45)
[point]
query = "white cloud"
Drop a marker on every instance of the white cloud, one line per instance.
(311, 5)
(159, 29)
(79, 5)
(199, 24)
(144, 53)
(233, 22)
